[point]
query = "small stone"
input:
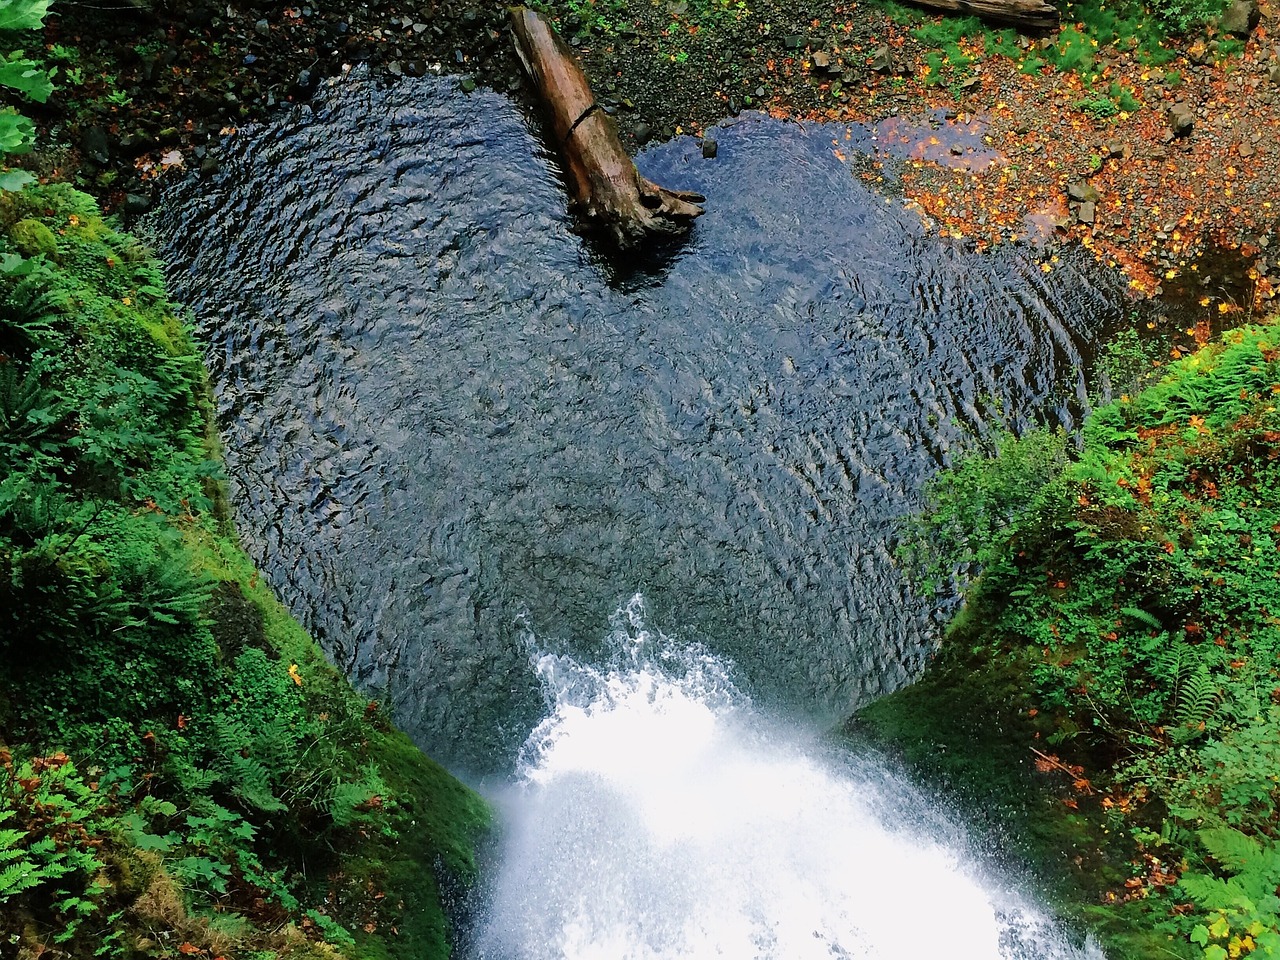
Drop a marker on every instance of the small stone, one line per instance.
(642, 132)
(1273, 72)
(467, 85)
(760, 92)
(969, 83)
(395, 69)
(1083, 192)
(262, 28)
(1181, 119)
(709, 148)
(1086, 213)
(210, 165)
(419, 28)
(1246, 150)
(793, 41)
(1241, 18)
(882, 59)
(822, 61)
(956, 150)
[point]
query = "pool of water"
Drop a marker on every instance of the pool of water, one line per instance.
(450, 424)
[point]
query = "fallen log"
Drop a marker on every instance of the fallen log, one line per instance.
(1032, 16)
(608, 193)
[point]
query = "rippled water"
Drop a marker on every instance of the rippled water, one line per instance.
(447, 422)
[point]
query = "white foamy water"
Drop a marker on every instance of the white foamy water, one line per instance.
(659, 815)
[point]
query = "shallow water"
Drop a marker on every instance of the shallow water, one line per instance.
(449, 423)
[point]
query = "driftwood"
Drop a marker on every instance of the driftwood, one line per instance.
(1032, 16)
(608, 193)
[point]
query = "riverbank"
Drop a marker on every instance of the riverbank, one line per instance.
(1109, 694)
(182, 773)
(1066, 136)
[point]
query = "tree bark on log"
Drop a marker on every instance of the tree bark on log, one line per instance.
(1033, 16)
(608, 193)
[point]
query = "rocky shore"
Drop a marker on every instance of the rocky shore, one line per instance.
(1165, 165)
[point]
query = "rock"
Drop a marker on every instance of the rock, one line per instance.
(395, 69)
(209, 166)
(882, 59)
(33, 238)
(1273, 72)
(793, 41)
(1246, 150)
(821, 61)
(709, 148)
(642, 132)
(467, 85)
(1241, 18)
(1181, 119)
(262, 28)
(1087, 212)
(136, 203)
(1082, 192)
(305, 84)
(93, 144)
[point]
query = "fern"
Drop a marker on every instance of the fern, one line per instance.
(1197, 700)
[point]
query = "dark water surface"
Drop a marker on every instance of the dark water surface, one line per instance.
(447, 426)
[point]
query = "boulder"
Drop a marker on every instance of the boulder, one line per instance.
(1240, 19)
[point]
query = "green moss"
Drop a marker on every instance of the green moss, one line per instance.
(1124, 632)
(33, 239)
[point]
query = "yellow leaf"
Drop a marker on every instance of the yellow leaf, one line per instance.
(294, 675)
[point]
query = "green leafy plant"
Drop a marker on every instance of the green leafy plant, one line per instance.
(25, 76)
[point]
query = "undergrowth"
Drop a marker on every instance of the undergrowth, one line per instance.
(1133, 585)
(181, 773)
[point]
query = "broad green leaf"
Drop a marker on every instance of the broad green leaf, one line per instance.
(12, 265)
(15, 179)
(26, 76)
(17, 133)
(22, 14)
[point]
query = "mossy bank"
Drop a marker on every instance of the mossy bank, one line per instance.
(183, 773)
(1111, 693)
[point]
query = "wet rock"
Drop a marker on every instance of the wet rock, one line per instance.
(1181, 119)
(467, 85)
(709, 148)
(136, 203)
(793, 41)
(93, 144)
(305, 85)
(209, 166)
(882, 59)
(1240, 19)
(262, 28)
(1082, 192)
(642, 132)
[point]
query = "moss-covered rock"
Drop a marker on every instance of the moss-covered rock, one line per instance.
(32, 238)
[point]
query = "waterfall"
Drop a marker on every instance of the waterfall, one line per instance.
(658, 814)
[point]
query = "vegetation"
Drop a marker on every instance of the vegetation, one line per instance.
(183, 774)
(1129, 589)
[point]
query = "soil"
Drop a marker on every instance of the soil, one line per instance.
(996, 156)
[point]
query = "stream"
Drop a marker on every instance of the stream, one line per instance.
(463, 446)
